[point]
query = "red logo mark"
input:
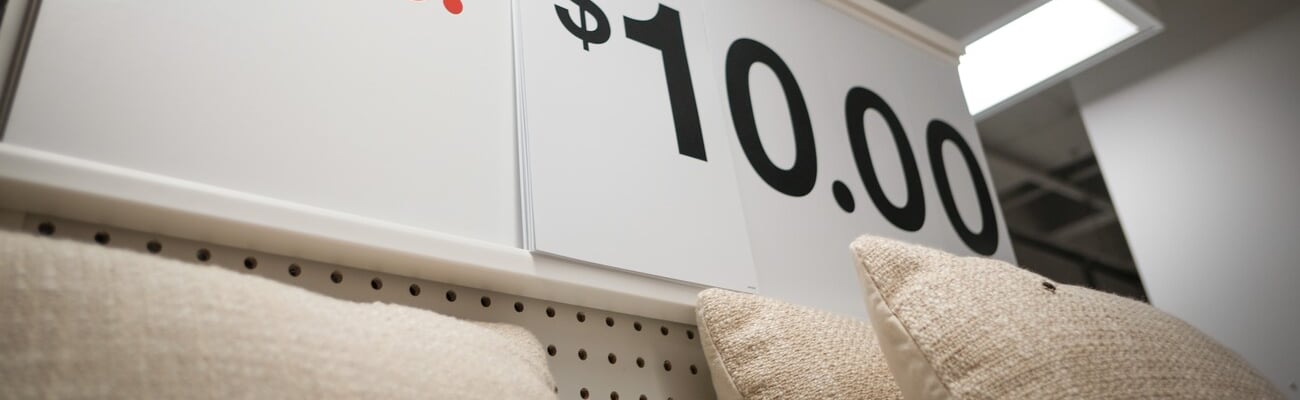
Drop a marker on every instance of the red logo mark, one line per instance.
(453, 6)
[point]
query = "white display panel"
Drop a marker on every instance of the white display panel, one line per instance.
(779, 87)
(392, 110)
(401, 116)
(608, 183)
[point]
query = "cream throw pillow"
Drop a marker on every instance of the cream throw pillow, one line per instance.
(760, 348)
(975, 328)
(81, 321)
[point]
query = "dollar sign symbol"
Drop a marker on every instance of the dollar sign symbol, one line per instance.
(598, 35)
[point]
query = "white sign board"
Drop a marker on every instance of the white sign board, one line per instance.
(735, 142)
(391, 110)
(618, 165)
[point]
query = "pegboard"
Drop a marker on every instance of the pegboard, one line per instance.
(594, 354)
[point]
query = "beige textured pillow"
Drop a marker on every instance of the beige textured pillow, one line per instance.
(80, 321)
(976, 328)
(760, 348)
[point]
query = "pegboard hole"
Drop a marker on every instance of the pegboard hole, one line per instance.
(643, 398)
(414, 289)
(690, 335)
(640, 362)
(637, 326)
(609, 321)
(550, 312)
(613, 395)
(485, 301)
(663, 330)
(376, 283)
(551, 350)
(582, 317)
(451, 295)
(45, 228)
(102, 237)
(613, 359)
(694, 370)
(519, 307)
(584, 393)
(294, 270)
(153, 246)
(582, 354)
(203, 255)
(250, 262)
(336, 277)
(668, 365)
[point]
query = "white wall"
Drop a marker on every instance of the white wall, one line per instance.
(1201, 163)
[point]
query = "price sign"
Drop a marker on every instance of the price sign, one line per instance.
(703, 140)
(626, 163)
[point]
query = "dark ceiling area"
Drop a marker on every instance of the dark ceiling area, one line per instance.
(1052, 191)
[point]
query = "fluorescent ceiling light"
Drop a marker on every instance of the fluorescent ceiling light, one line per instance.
(1042, 46)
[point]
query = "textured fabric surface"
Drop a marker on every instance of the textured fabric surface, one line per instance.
(761, 348)
(991, 330)
(80, 321)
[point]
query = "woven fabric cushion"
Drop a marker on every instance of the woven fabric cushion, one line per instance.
(760, 348)
(80, 321)
(976, 328)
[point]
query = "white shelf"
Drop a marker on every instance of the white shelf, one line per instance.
(45, 183)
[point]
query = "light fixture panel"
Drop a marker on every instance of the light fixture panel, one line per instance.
(1046, 45)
